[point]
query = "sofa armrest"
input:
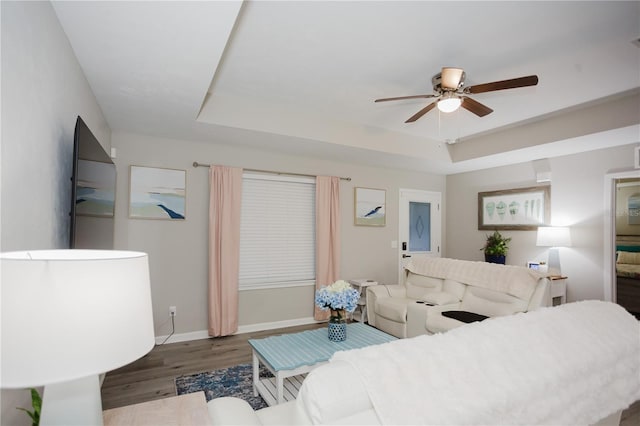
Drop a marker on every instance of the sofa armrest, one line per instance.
(232, 411)
(418, 315)
(382, 291)
(438, 323)
(541, 296)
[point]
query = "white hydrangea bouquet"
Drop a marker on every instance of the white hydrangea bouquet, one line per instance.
(338, 297)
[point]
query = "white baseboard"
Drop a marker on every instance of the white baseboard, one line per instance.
(183, 337)
(204, 334)
(273, 325)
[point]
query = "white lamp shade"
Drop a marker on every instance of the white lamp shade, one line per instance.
(69, 314)
(553, 236)
(449, 104)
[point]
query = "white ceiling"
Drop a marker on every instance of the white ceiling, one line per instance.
(301, 76)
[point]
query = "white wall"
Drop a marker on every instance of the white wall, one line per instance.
(577, 200)
(43, 90)
(178, 249)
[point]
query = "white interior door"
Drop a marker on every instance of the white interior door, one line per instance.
(420, 230)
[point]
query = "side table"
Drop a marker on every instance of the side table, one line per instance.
(361, 285)
(188, 409)
(558, 290)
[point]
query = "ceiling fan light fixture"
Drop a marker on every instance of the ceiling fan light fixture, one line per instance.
(449, 103)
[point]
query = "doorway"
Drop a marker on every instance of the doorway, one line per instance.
(419, 226)
(622, 240)
(627, 239)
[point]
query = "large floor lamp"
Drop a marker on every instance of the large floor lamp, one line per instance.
(67, 317)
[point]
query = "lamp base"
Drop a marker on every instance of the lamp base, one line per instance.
(554, 262)
(77, 402)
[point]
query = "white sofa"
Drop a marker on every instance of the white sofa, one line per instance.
(572, 364)
(435, 285)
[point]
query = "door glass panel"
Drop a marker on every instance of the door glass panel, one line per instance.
(419, 226)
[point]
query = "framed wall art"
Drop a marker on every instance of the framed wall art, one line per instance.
(514, 209)
(157, 193)
(370, 207)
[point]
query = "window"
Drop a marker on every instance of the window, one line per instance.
(419, 226)
(277, 231)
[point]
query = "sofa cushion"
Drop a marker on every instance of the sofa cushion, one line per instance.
(464, 316)
(440, 298)
(491, 308)
(419, 285)
(393, 308)
(454, 287)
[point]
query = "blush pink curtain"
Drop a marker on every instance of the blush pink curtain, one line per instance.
(327, 234)
(225, 193)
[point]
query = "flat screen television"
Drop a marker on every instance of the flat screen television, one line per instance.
(93, 192)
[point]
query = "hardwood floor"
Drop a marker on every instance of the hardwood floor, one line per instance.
(153, 376)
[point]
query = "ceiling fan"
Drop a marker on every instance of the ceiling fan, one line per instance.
(448, 88)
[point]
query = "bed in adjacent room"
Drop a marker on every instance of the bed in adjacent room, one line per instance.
(628, 276)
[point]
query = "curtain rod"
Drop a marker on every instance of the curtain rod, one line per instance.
(196, 164)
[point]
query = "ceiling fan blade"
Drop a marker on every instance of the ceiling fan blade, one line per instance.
(530, 80)
(450, 78)
(422, 112)
(405, 97)
(475, 107)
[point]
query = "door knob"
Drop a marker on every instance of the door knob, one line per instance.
(406, 255)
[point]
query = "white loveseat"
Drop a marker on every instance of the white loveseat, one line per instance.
(575, 364)
(436, 285)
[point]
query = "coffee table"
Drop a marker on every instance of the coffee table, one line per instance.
(289, 357)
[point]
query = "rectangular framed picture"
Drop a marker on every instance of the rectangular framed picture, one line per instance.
(157, 193)
(370, 207)
(533, 265)
(514, 209)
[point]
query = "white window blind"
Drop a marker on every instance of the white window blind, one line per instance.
(277, 231)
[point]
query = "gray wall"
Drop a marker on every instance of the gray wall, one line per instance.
(43, 90)
(178, 249)
(577, 200)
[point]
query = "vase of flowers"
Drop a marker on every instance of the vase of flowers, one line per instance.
(340, 298)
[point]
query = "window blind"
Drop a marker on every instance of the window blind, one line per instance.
(277, 231)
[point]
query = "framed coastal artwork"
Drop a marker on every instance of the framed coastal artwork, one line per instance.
(514, 209)
(157, 193)
(370, 207)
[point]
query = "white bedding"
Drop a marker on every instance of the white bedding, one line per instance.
(628, 270)
(572, 364)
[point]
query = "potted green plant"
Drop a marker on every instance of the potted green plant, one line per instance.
(36, 403)
(496, 248)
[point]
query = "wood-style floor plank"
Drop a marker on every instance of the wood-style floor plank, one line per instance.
(153, 376)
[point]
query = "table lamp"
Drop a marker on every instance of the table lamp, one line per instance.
(67, 317)
(554, 237)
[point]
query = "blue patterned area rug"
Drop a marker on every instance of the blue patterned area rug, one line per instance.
(233, 381)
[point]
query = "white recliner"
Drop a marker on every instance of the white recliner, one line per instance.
(436, 285)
